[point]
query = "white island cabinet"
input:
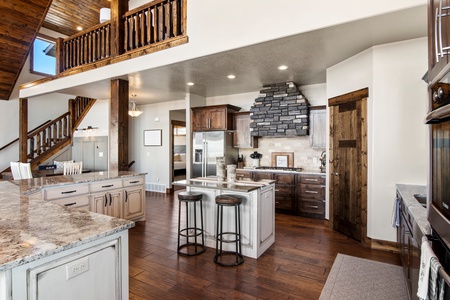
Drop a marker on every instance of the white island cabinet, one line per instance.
(52, 247)
(257, 213)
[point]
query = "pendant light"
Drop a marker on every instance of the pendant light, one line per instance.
(134, 112)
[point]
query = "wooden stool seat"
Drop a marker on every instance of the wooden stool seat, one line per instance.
(190, 196)
(228, 200)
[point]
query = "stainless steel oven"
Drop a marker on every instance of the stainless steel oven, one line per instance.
(439, 190)
(439, 119)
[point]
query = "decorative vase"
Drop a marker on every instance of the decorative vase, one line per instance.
(220, 168)
(255, 162)
(231, 173)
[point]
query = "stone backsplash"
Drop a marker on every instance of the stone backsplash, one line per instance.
(280, 111)
(304, 156)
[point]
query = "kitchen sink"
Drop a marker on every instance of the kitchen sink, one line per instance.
(422, 199)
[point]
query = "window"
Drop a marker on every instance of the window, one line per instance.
(42, 58)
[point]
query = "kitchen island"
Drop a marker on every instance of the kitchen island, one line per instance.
(257, 211)
(49, 251)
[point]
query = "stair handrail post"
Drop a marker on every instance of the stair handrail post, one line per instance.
(118, 9)
(23, 129)
(59, 55)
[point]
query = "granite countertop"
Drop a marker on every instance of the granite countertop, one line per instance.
(415, 209)
(31, 228)
(306, 172)
(237, 186)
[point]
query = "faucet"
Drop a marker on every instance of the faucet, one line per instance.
(323, 161)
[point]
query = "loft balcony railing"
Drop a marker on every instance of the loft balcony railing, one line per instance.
(156, 25)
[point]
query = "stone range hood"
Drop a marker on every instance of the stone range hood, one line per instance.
(280, 111)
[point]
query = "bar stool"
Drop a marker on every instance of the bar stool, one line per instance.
(191, 248)
(228, 258)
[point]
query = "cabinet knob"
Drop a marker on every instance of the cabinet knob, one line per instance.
(335, 173)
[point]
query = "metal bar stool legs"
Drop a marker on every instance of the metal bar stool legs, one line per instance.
(228, 258)
(190, 231)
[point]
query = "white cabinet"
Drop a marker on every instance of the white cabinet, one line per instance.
(76, 195)
(266, 219)
(318, 129)
(134, 199)
(120, 198)
(107, 203)
(94, 270)
(257, 218)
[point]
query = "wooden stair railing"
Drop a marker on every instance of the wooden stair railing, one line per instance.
(51, 138)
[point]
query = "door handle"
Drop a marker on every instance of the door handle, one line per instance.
(335, 173)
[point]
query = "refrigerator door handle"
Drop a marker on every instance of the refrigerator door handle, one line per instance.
(204, 163)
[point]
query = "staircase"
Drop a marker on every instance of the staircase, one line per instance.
(52, 137)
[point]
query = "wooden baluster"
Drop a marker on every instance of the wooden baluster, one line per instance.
(54, 134)
(125, 39)
(155, 24)
(149, 26)
(183, 16)
(142, 29)
(130, 32)
(38, 144)
(99, 44)
(167, 20)
(108, 38)
(175, 18)
(160, 22)
(44, 139)
(30, 154)
(60, 132)
(94, 46)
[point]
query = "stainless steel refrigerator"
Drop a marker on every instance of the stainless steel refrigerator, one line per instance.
(209, 145)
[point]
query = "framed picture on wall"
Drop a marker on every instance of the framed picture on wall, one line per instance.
(153, 137)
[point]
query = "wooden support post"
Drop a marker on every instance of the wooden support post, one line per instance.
(59, 55)
(118, 132)
(23, 129)
(118, 9)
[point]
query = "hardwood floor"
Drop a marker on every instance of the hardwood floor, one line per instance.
(295, 267)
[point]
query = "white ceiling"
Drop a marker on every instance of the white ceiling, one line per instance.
(308, 55)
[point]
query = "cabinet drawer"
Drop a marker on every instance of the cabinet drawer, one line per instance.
(312, 179)
(283, 202)
(106, 185)
(285, 179)
(133, 181)
(65, 191)
(264, 175)
(284, 190)
(311, 206)
(243, 175)
(311, 191)
(79, 202)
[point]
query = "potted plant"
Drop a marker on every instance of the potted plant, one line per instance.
(255, 156)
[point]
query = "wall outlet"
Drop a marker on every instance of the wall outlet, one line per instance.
(100, 154)
(77, 267)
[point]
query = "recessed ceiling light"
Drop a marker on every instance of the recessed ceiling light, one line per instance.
(190, 83)
(231, 76)
(283, 67)
(79, 28)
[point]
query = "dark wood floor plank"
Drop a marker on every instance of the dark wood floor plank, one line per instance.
(295, 267)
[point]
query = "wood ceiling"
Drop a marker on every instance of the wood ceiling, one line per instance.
(20, 21)
(65, 16)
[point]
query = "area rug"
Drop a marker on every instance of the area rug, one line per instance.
(356, 278)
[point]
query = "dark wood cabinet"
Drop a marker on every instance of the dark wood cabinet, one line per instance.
(409, 251)
(242, 137)
(215, 117)
(284, 189)
(438, 37)
(244, 174)
(311, 195)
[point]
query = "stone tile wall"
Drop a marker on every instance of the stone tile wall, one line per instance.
(281, 110)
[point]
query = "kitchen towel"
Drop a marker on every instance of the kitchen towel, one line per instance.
(424, 272)
(436, 283)
(396, 213)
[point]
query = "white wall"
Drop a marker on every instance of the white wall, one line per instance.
(98, 116)
(217, 26)
(397, 105)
